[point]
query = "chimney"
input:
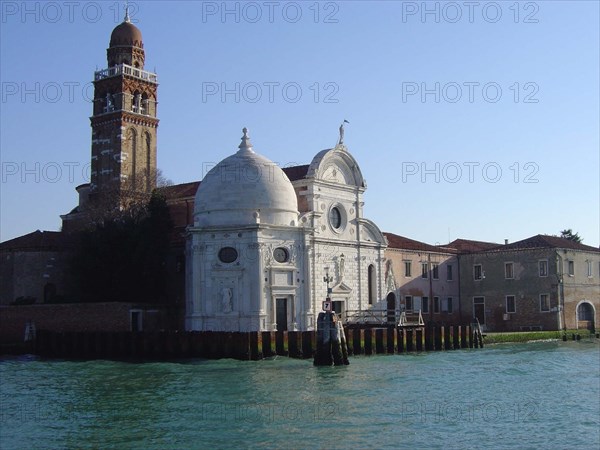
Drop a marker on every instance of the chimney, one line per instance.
(505, 241)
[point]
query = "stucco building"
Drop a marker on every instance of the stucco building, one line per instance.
(539, 283)
(423, 278)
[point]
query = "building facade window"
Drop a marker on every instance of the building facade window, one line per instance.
(447, 305)
(436, 305)
(407, 269)
(435, 271)
(449, 275)
(371, 283)
(508, 271)
(544, 302)
(477, 272)
(571, 268)
(425, 304)
(543, 267)
(228, 255)
(424, 270)
(589, 269)
(408, 302)
(511, 306)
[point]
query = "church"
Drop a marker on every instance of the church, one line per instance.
(263, 245)
(264, 249)
(256, 247)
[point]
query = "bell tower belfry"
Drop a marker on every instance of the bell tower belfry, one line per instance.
(123, 121)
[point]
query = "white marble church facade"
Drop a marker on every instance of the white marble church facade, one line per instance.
(262, 246)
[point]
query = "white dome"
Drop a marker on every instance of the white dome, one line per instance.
(245, 188)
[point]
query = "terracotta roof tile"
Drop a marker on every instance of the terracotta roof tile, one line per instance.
(37, 240)
(545, 241)
(296, 172)
(178, 191)
(469, 246)
(404, 243)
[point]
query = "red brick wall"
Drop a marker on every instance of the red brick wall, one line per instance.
(75, 317)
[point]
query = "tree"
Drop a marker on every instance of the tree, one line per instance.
(125, 199)
(568, 234)
(123, 258)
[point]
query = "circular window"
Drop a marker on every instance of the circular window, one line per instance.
(281, 255)
(228, 254)
(335, 218)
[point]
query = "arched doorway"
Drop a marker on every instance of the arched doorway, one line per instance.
(585, 316)
(391, 308)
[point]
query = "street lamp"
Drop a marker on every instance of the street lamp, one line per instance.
(327, 279)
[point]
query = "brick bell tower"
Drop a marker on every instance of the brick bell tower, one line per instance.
(124, 121)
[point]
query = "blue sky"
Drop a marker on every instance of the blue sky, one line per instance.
(479, 122)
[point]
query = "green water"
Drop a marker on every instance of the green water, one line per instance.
(537, 395)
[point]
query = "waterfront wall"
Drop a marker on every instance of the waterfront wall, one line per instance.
(80, 317)
(245, 346)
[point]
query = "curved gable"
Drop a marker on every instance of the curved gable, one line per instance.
(338, 166)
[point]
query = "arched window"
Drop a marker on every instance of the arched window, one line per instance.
(372, 286)
(132, 138)
(109, 103)
(150, 175)
(144, 104)
(136, 102)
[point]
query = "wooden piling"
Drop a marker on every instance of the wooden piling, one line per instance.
(281, 343)
(369, 341)
(349, 340)
(252, 345)
(420, 338)
(308, 344)
(268, 344)
(340, 355)
(430, 338)
(359, 341)
(392, 340)
(469, 333)
(295, 344)
(256, 346)
(380, 341)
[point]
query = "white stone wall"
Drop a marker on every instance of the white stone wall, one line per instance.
(240, 296)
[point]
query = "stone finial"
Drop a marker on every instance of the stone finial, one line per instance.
(245, 144)
(127, 19)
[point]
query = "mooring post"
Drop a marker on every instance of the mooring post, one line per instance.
(392, 341)
(323, 355)
(331, 341)
(349, 332)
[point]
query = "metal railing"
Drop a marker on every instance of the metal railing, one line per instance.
(408, 319)
(126, 70)
(369, 316)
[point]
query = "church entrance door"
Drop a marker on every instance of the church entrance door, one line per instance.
(281, 314)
